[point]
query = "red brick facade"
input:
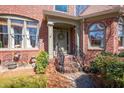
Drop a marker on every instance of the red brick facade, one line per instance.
(36, 12)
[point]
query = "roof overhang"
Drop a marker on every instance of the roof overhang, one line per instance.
(119, 10)
(114, 10)
(59, 14)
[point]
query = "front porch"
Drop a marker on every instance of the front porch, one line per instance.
(63, 33)
(64, 38)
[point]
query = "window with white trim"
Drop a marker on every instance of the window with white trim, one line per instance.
(62, 8)
(121, 32)
(18, 33)
(96, 35)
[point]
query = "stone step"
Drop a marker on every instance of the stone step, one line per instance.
(72, 58)
(68, 59)
(70, 70)
(70, 62)
(70, 65)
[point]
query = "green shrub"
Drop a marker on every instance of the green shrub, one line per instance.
(101, 62)
(121, 54)
(111, 69)
(105, 53)
(38, 81)
(115, 73)
(41, 62)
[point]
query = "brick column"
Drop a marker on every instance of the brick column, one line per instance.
(77, 35)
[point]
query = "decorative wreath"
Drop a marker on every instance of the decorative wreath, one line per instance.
(61, 36)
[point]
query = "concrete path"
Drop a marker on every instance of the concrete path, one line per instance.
(80, 80)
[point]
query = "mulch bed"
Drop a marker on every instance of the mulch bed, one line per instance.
(56, 79)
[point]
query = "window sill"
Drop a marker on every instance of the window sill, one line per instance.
(96, 48)
(19, 49)
(121, 48)
(61, 11)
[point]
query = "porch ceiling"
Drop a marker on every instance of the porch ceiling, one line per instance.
(63, 26)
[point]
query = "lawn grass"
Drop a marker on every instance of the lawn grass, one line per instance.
(24, 81)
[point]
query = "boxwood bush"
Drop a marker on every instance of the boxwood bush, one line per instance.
(115, 74)
(121, 54)
(110, 68)
(37, 81)
(106, 53)
(101, 63)
(41, 62)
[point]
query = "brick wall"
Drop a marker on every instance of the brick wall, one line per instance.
(25, 55)
(71, 10)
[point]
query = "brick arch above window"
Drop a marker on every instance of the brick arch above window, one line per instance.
(97, 22)
(17, 16)
(31, 11)
(96, 26)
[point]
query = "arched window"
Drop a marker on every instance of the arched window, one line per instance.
(121, 32)
(18, 32)
(96, 35)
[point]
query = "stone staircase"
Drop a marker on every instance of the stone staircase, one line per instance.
(71, 65)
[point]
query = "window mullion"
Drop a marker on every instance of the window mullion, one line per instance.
(37, 35)
(9, 34)
(24, 35)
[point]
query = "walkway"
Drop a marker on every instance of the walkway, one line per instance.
(80, 80)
